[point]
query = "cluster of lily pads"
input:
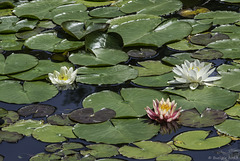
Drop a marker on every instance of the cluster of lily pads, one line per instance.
(99, 39)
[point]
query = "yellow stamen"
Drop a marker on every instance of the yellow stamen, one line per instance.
(166, 107)
(62, 77)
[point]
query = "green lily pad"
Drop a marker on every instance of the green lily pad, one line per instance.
(60, 120)
(66, 146)
(71, 16)
(3, 112)
(97, 40)
(218, 17)
(87, 115)
(151, 67)
(116, 131)
(38, 9)
(231, 30)
(43, 156)
(37, 110)
(50, 42)
(234, 111)
(47, 24)
(145, 150)
(24, 127)
(130, 103)
(229, 80)
(12, 137)
(27, 93)
(148, 32)
(174, 157)
(154, 81)
(106, 75)
(231, 1)
(207, 54)
(197, 26)
(205, 39)
(184, 45)
(209, 117)
(142, 53)
(228, 127)
(177, 59)
(80, 29)
(53, 147)
(100, 150)
(25, 35)
(53, 133)
(10, 42)
(41, 70)
(15, 63)
(66, 152)
(99, 57)
(214, 97)
(12, 24)
(10, 118)
(160, 7)
(94, 3)
(196, 140)
(106, 12)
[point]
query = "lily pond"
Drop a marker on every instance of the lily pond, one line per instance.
(119, 80)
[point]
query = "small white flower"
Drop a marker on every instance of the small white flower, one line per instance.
(65, 77)
(194, 74)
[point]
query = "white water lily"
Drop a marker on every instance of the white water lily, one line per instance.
(195, 73)
(64, 77)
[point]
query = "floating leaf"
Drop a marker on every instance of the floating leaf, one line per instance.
(189, 13)
(50, 42)
(3, 112)
(37, 110)
(53, 147)
(16, 63)
(196, 140)
(52, 133)
(145, 150)
(160, 7)
(174, 157)
(106, 75)
(30, 92)
(209, 117)
(12, 137)
(234, 111)
(207, 54)
(151, 67)
(106, 12)
(71, 16)
(99, 57)
(231, 30)
(25, 35)
(197, 27)
(116, 131)
(10, 42)
(44, 156)
(218, 17)
(41, 70)
(24, 127)
(60, 120)
(142, 53)
(94, 3)
(228, 127)
(46, 24)
(214, 97)
(177, 59)
(231, 1)
(10, 118)
(131, 102)
(100, 150)
(205, 39)
(184, 45)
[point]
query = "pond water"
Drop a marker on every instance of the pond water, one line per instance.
(67, 101)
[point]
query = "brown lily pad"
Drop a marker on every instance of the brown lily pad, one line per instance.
(204, 39)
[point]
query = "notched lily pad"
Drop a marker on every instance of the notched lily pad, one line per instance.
(87, 115)
(12, 137)
(37, 110)
(207, 54)
(209, 117)
(205, 39)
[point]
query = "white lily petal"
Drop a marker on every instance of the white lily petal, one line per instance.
(210, 79)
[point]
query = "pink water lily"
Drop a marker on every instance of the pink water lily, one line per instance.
(163, 111)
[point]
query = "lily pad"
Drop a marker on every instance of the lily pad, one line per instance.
(234, 111)
(214, 97)
(116, 131)
(60, 120)
(174, 157)
(231, 30)
(53, 133)
(218, 17)
(228, 127)
(41, 70)
(145, 150)
(100, 150)
(197, 26)
(3, 112)
(151, 67)
(205, 39)
(87, 115)
(130, 103)
(196, 140)
(50, 42)
(71, 16)
(207, 54)
(24, 127)
(184, 45)
(209, 117)
(160, 7)
(12, 137)
(106, 75)
(10, 118)
(44, 156)
(94, 3)
(37, 110)
(177, 59)
(27, 93)
(15, 63)
(106, 12)
(99, 57)
(142, 53)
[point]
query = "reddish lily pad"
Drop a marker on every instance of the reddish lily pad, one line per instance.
(209, 117)
(38, 110)
(87, 115)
